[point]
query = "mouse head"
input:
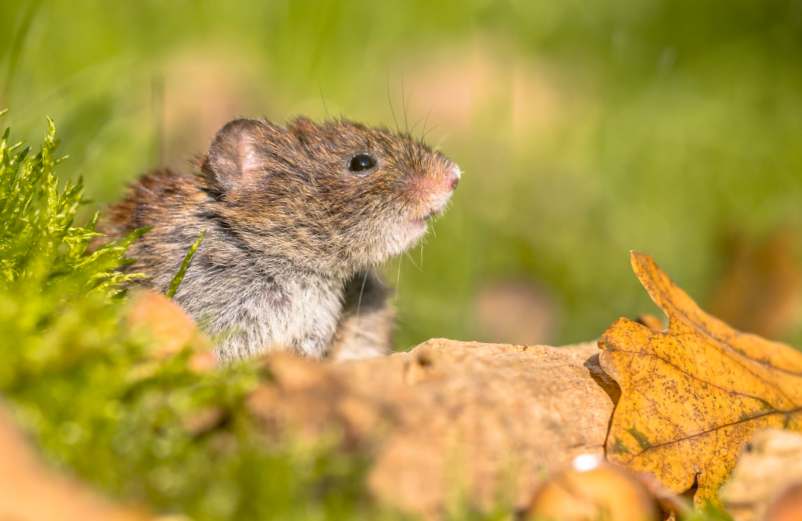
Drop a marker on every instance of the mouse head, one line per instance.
(335, 196)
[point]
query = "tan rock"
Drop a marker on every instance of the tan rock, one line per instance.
(769, 466)
(488, 421)
(170, 329)
(593, 489)
(29, 491)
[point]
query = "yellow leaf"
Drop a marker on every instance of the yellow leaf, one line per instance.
(692, 395)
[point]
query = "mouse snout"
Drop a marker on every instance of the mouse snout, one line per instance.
(431, 191)
(454, 176)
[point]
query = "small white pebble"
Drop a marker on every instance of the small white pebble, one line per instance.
(586, 462)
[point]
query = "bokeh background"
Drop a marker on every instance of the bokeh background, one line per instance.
(585, 130)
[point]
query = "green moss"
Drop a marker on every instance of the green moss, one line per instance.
(74, 377)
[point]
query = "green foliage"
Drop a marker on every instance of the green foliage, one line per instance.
(83, 385)
(585, 129)
(38, 240)
(708, 513)
(182, 270)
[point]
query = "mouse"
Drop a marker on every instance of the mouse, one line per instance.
(296, 220)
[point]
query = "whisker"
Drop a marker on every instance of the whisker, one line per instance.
(361, 292)
(392, 108)
(404, 106)
(424, 131)
(323, 100)
(398, 277)
(412, 261)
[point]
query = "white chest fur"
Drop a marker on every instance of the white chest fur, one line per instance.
(251, 314)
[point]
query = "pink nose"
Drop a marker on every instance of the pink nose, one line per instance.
(456, 173)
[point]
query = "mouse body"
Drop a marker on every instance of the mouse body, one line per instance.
(296, 219)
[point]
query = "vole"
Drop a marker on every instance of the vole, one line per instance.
(296, 218)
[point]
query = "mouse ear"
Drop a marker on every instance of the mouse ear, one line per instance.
(234, 152)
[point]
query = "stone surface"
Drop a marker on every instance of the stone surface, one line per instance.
(488, 421)
(29, 491)
(770, 466)
(169, 329)
(594, 489)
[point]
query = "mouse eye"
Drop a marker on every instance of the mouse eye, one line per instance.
(361, 162)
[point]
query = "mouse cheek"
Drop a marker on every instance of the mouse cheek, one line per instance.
(401, 235)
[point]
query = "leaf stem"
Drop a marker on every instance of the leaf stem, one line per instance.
(182, 270)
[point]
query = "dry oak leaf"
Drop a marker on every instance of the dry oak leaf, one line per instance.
(693, 395)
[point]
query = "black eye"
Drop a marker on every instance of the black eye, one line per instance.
(361, 162)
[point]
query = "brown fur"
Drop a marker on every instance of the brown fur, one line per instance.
(289, 229)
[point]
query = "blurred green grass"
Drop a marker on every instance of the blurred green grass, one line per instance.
(585, 130)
